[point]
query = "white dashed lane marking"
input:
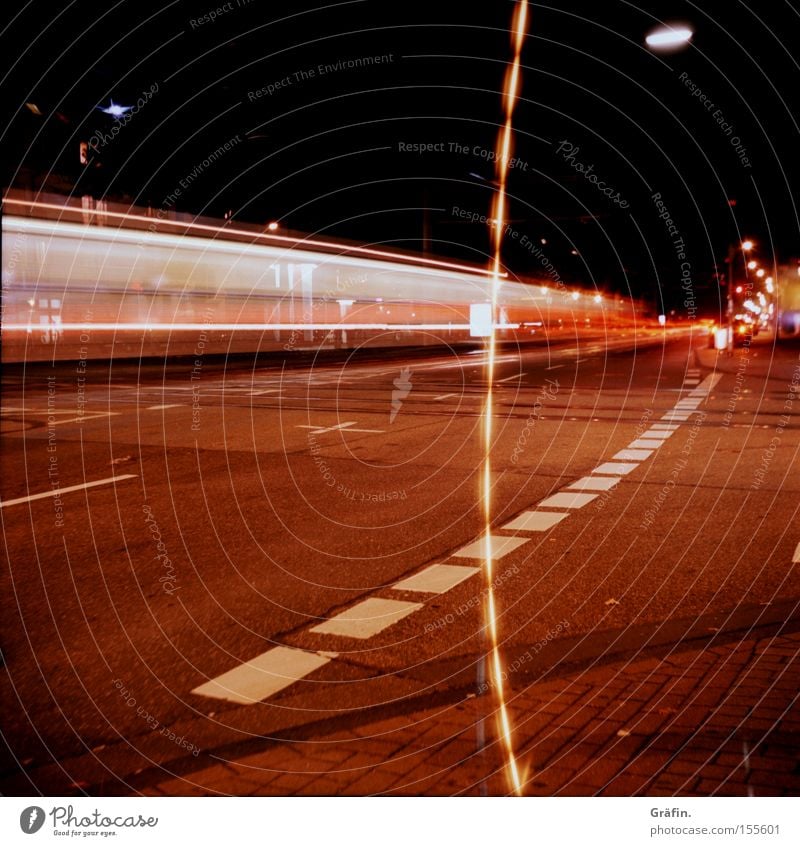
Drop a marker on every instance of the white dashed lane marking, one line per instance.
(796, 556)
(282, 666)
(535, 521)
(437, 579)
(613, 468)
(264, 676)
(498, 547)
(593, 483)
(633, 454)
(367, 618)
(562, 499)
(159, 407)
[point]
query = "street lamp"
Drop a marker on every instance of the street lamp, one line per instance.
(746, 246)
(668, 38)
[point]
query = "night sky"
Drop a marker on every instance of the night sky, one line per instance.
(711, 129)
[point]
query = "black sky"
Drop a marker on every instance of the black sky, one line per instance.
(321, 153)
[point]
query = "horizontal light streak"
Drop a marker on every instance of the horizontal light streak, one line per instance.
(248, 327)
(227, 230)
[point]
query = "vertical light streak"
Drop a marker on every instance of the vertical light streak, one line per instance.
(518, 30)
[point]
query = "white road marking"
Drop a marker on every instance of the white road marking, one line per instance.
(158, 407)
(318, 430)
(58, 491)
(367, 618)
(633, 454)
(645, 443)
(611, 468)
(264, 676)
(555, 367)
(16, 409)
(667, 427)
(267, 391)
(564, 499)
(796, 556)
(498, 547)
(691, 382)
(592, 483)
(445, 396)
(676, 416)
(93, 416)
(438, 578)
(535, 521)
(658, 433)
(509, 378)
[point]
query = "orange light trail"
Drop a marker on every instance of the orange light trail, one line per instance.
(256, 236)
(504, 143)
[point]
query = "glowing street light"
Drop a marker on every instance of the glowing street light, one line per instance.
(272, 225)
(760, 272)
(752, 265)
(115, 110)
(747, 245)
(669, 37)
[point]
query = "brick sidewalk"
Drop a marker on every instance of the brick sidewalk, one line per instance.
(719, 721)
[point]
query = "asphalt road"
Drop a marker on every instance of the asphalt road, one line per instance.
(252, 502)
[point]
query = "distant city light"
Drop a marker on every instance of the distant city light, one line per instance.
(115, 110)
(598, 298)
(747, 245)
(669, 37)
(760, 272)
(752, 265)
(272, 225)
(575, 295)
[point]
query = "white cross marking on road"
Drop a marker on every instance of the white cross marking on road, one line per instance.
(318, 430)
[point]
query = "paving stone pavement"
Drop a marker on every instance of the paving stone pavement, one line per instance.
(723, 720)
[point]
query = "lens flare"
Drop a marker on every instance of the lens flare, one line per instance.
(504, 144)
